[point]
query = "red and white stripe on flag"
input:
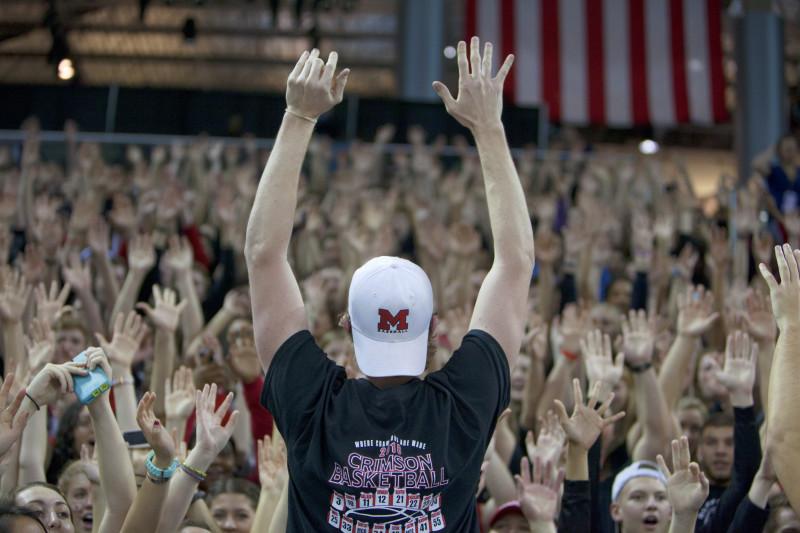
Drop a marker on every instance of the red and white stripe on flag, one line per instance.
(612, 62)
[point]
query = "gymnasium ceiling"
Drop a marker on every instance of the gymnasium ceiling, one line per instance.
(237, 45)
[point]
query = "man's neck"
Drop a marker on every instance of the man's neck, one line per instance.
(389, 382)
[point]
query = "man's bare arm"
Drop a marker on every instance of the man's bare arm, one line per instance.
(278, 310)
(502, 300)
(783, 416)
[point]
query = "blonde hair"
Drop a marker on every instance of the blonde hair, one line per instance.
(68, 474)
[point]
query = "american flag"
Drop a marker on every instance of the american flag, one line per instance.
(617, 63)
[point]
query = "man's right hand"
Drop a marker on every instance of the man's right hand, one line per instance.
(786, 295)
(312, 89)
(480, 96)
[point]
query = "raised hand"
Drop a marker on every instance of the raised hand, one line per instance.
(50, 304)
(272, 468)
(237, 303)
(244, 359)
(573, 325)
(141, 254)
(534, 342)
(179, 395)
(155, 433)
(687, 486)
(548, 246)
(758, 317)
(212, 435)
(638, 338)
(90, 467)
(98, 236)
(686, 262)
(13, 295)
(179, 255)
(312, 88)
(785, 296)
(600, 366)
(53, 381)
(540, 493)
(40, 345)
(167, 311)
(587, 421)
(126, 338)
(550, 444)
(33, 265)
(480, 96)
(739, 372)
(97, 357)
(77, 274)
(695, 312)
(11, 425)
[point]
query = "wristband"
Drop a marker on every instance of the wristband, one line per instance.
(572, 356)
(640, 368)
(32, 400)
(160, 474)
(194, 473)
(303, 117)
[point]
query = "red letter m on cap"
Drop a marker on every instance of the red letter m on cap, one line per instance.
(390, 323)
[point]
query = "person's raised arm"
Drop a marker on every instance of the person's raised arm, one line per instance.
(165, 317)
(762, 328)
(501, 307)
(179, 401)
(273, 474)
(127, 336)
(11, 426)
(116, 470)
(582, 429)
(687, 487)
(180, 258)
(752, 513)
(145, 512)
(278, 311)
(212, 435)
(539, 494)
(783, 417)
(14, 294)
(99, 243)
(695, 316)
(651, 407)
(738, 376)
(79, 277)
(141, 259)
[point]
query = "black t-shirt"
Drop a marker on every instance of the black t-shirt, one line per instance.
(370, 460)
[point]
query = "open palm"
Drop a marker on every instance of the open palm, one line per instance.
(587, 421)
(539, 493)
(167, 310)
(687, 486)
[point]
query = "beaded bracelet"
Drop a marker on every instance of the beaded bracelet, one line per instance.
(193, 473)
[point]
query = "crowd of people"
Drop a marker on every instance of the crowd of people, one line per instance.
(642, 302)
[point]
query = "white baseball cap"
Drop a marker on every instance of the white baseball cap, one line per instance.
(632, 471)
(390, 306)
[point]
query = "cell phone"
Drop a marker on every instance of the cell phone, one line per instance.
(135, 439)
(91, 386)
